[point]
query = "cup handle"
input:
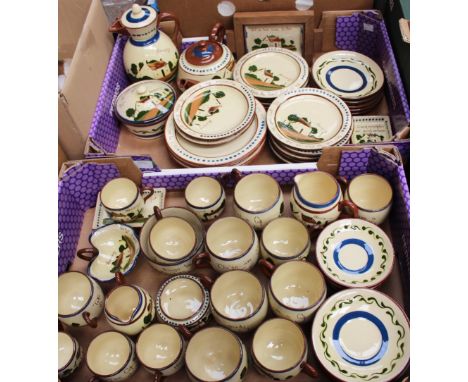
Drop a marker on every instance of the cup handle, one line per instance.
(266, 267)
(120, 278)
(202, 260)
(349, 204)
(218, 32)
(185, 332)
(167, 16)
(207, 281)
(61, 328)
(236, 175)
(92, 322)
(151, 192)
(158, 377)
(87, 254)
(157, 213)
(309, 370)
(342, 181)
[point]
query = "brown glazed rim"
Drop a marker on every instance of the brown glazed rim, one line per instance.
(75, 349)
(87, 301)
(251, 314)
(173, 362)
(124, 365)
(143, 304)
(365, 209)
(120, 209)
(235, 369)
(259, 211)
(290, 368)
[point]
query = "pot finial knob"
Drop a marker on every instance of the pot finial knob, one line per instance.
(136, 9)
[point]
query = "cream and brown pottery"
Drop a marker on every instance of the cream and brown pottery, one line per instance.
(258, 199)
(160, 349)
(231, 243)
(80, 299)
(316, 199)
(70, 354)
(271, 71)
(284, 239)
(205, 60)
(216, 354)
(115, 250)
(129, 309)
(205, 197)
(354, 253)
(279, 350)
(372, 194)
(149, 53)
(361, 334)
(183, 301)
(111, 356)
(238, 301)
(296, 289)
(143, 107)
(122, 199)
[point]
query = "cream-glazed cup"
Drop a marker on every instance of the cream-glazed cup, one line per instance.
(183, 301)
(122, 199)
(258, 198)
(160, 349)
(284, 239)
(231, 243)
(70, 354)
(205, 197)
(129, 309)
(111, 356)
(372, 194)
(80, 299)
(238, 301)
(296, 289)
(279, 350)
(216, 354)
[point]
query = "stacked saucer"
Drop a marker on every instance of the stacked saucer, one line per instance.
(302, 122)
(216, 123)
(355, 78)
(269, 72)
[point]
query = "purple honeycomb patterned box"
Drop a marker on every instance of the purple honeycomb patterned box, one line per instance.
(79, 186)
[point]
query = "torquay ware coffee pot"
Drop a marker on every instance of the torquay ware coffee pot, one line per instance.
(149, 53)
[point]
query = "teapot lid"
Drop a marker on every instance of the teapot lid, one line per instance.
(204, 52)
(138, 16)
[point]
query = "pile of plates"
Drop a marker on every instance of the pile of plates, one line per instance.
(268, 72)
(355, 78)
(216, 123)
(302, 122)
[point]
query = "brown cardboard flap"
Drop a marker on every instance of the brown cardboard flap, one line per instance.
(70, 138)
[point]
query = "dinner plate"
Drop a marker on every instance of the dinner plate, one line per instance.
(348, 74)
(354, 253)
(309, 119)
(361, 334)
(268, 72)
(214, 110)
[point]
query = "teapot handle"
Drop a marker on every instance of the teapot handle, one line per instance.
(167, 16)
(117, 27)
(218, 32)
(87, 254)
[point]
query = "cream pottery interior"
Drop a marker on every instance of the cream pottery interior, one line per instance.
(119, 193)
(285, 237)
(108, 353)
(370, 192)
(172, 238)
(316, 187)
(74, 291)
(181, 298)
(203, 192)
(256, 192)
(65, 349)
(236, 294)
(297, 284)
(229, 237)
(122, 303)
(158, 346)
(213, 354)
(278, 344)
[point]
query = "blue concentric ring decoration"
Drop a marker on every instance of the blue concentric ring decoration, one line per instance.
(360, 243)
(373, 320)
(328, 77)
(132, 19)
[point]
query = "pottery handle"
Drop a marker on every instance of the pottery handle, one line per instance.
(157, 213)
(158, 377)
(151, 192)
(117, 27)
(185, 332)
(202, 260)
(351, 205)
(120, 278)
(61, 327)
(266, 267)
(309, 370)
(167, 16)
(218, 32)
(343, 182)
(236, 175)
(87, 254)
(207, 281)
(92, 322)
(94, 379)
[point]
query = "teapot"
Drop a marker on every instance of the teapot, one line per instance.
(149, 53)
(205, 60)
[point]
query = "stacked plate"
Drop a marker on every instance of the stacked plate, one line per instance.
(302, 122)
(269, 72)
(216, 123)
(355, 78)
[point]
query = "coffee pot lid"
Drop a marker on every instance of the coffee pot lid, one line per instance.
(204, 52)
(138, 16)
